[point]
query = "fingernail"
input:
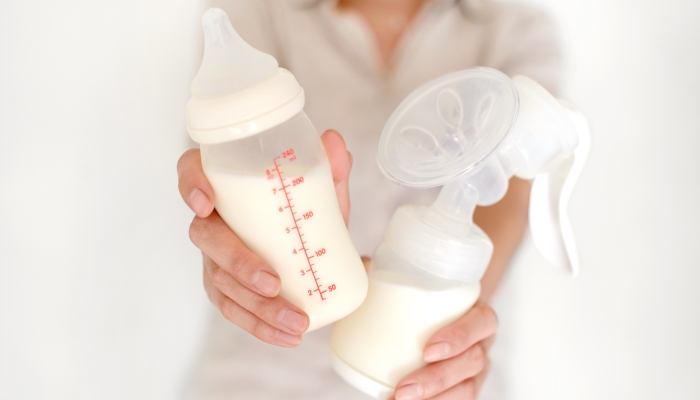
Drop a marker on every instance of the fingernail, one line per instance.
(267, 284)
(284, 337)
(292, 320)
(410, 392)
(199, 202)
(436, 352)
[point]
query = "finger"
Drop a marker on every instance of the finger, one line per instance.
(481, 377)
(275, 311)
(477, 324)
(341, 164)
(246, 320)
(194, 186)
(488, 342)
(216, 240)
(465, 390)
(440, 376)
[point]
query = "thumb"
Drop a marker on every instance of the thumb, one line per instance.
(341, 163)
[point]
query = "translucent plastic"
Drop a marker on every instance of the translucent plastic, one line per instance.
(470, 131)
(276, 192)
(230, 64)
(238, 91)
(447, 127)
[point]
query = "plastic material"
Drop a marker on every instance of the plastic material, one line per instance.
(271, 179)
(470, 131)
(447, 127)
(549, 200)
(230, 64)
(238, 91)
(360, 381)
(384, 338)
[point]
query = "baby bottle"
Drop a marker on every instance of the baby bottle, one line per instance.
(270, 175)
(470, 131)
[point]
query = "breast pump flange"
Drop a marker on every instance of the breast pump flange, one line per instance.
(470, 131)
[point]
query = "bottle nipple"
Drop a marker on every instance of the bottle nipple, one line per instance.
(230, 64)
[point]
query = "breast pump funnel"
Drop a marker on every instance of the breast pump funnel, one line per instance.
(471, 131)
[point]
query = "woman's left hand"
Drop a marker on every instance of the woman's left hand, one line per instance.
(457, 357)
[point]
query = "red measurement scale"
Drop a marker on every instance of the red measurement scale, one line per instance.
(287, 187)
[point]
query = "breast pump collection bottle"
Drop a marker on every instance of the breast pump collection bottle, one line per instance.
(470, 131)
(270, 175)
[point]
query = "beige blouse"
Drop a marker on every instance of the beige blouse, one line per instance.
(335, 59)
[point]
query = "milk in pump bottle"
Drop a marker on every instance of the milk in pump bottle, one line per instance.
(470, 132)
(270, 175)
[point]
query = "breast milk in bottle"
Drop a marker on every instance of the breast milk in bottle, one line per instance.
(270, 174)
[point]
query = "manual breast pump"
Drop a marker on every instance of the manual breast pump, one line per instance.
(470, 131)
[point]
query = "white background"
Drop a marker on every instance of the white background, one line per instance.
(100, 289)
(629, 326)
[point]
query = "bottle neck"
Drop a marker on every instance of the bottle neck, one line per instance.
(453, 210)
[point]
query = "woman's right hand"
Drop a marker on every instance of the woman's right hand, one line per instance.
(239, 282)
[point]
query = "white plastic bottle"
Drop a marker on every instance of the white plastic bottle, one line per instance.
(270, 174)
(384, 338)
(470, 131)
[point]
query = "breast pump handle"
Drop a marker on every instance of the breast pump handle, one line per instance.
(550, 226)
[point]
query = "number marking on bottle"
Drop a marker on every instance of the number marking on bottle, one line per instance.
(289, 156)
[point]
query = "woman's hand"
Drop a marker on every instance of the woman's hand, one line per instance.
(239, 282)
(458, 359)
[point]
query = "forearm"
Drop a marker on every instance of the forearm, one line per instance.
(505, 223)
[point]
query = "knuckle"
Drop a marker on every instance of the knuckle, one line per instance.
(469, 390)
(211, 297)
(210, 293)
(478, 357)
(487, 366)
(184, 159)
(490, 315)
(437, 377)
(198, 231)
(267, 310)
(228, 310)
(239, 258)
(460, 331)
(219, 277)
(260, 331)
(206, 282)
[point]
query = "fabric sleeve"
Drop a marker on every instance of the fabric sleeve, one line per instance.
(524, 42)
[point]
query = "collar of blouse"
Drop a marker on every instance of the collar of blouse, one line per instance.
(473, 8)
